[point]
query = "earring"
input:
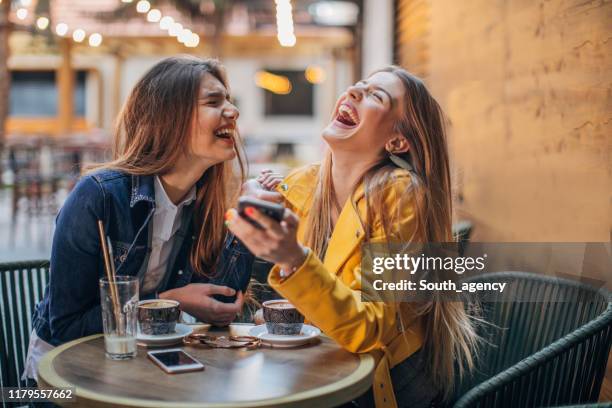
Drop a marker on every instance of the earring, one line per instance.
(399, 162)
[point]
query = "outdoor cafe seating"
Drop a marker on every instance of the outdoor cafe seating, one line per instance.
(523, 363)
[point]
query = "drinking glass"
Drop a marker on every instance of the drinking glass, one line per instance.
(119, 301)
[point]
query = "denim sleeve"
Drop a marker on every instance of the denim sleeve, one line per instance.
(74, 299)
(234, 268)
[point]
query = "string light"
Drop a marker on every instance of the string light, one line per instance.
(175, 29)
(154, 16)
(95, 39)
(284, 23)
(143, 6)
(193, 41)
(22, 13)
(61, 29)
(166, 22)
(42, 23)
(78, 35)
(126, 1)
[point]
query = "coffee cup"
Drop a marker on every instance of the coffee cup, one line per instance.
(282, 317)
(158, 316)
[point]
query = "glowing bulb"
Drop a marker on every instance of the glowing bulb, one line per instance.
(166, 22)
(61, 29)
(22, 13)
(185, 35)
(314, 74)
(78, 35)
(42, 23)
(126, 1)
(95, 39)
(193, 41)
(154, 16)
(175, 29)
(143, 6)
(287, 40)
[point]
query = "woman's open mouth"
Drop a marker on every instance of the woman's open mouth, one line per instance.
(225, 132)
(347, 116)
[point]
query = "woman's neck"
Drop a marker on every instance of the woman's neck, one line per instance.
(179, 181)
(346, 171)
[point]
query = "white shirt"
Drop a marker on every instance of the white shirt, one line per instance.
(166, 222)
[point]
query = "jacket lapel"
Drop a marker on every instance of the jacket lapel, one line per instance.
(348, 232)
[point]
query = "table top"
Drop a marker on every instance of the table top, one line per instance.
(320, 374)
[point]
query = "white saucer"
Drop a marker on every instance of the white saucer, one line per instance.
(307, 334)
(149, 340)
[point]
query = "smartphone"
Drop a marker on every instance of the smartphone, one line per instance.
(272, 210)
(175, 361)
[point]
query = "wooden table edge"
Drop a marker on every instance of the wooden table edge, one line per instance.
(336, 393)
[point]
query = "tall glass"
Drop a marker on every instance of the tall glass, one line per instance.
(119, 302)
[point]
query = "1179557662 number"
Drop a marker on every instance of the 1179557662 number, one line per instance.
(15, 394)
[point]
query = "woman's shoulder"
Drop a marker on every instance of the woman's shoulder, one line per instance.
(98, 183)
(304, 174)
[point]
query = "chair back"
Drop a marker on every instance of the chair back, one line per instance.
(22, 285)
(515, 331)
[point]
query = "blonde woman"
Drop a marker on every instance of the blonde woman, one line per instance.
(161, 200)
(385, 178)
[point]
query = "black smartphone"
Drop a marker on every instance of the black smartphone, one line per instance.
(272, 210)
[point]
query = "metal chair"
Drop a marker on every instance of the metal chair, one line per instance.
(22, 285)
(544, 353)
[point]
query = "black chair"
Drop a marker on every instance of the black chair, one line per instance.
(22, 285)
(544, 353)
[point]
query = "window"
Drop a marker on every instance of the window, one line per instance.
(35, 94)
(298, 102)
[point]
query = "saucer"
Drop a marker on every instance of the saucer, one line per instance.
(307, 334)
(148, 340)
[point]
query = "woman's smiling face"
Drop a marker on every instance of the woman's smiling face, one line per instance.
(366, 113)
(215, 126)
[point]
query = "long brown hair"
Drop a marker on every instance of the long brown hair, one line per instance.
(153, 130)
(450, 335)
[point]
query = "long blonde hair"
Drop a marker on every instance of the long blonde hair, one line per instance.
(450, 335)
(152, 130)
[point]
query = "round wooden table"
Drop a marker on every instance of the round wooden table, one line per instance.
(317, 375)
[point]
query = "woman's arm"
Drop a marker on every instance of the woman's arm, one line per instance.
(74, 300)
(327, 301)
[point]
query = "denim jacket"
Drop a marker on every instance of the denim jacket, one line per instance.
(125, 203)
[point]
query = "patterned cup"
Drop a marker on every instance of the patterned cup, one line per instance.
(282, 317)
(158, 317)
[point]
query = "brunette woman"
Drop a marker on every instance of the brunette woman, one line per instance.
(384, 179)
(162, 200)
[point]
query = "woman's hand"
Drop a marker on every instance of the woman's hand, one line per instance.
(196, 299)
(275, 242)
(252, 188)
(269, 179)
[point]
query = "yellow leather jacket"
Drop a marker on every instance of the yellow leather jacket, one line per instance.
(327, 291)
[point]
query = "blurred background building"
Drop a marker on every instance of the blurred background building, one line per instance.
(526, 87)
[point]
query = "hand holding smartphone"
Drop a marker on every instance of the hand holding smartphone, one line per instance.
(272, 210)
(174, 361)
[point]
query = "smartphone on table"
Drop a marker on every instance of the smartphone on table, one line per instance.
(174, 361)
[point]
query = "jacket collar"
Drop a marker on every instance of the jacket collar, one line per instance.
(143, 189)
(348, 232)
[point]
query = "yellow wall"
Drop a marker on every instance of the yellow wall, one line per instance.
(528, 88)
